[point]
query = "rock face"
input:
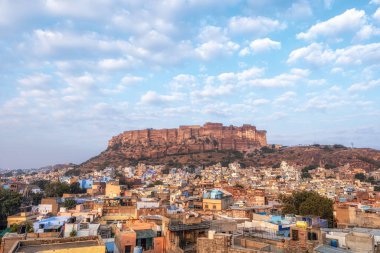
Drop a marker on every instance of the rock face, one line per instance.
(152, 143)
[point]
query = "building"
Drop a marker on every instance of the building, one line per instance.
(20, 218)
(119, 209)
(217, 200)
(81, 228)
(89, 244)
(48, 205)
(52, 224)
(304, 238)
(181, 231)
(146, 236)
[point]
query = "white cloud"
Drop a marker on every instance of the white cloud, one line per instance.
(376, 15)
(287, 96)
(300, 9)
(350, 21)
(214, 43)
(374, 2)
(78, 8)
(282, 80)
(265, 44)
(363, 86)
(319, 54)
(256, 26)
(52, 42)
(114, 64)
(183, 81)
(260, 101)
(314, 53)
(153, 98)
(39, 80)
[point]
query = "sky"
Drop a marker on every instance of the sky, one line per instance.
(74, 73)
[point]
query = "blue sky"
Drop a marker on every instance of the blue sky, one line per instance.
(73, 73)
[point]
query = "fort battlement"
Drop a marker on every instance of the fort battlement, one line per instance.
(188, 139)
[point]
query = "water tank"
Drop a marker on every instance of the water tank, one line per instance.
(138, 249)
(334, 243)
(211, 234)
(301, 224)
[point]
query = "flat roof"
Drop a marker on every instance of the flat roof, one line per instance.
(56, 246)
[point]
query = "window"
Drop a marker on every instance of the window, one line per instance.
(206, 206)
(83, 226)
(295, 235)
(128, 248)
(145, 243)
(312, 236)
(214, 207)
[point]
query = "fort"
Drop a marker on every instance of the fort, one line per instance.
(153, 143)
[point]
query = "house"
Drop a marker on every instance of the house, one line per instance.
(217, 200)
(144, 236)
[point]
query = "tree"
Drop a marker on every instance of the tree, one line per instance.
(73, 233)
(36, 198)
(41, 183)
(360, 176)
(237, 185)
(69, 203)
(308, 203)
(57, 189)
(75, 188)
(72, 172)
(9, 204)
(377, 188)
(14, 227)
(305, 175)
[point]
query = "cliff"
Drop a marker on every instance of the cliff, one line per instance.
(152, 143)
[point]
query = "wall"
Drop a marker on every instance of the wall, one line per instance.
(360, 242)
(188, 139)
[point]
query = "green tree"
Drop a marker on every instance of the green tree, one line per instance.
(75, 188)
(360, 176)
(14, 228)
(237, 185)
(69, 203)
(57, 189)
(308, 203)
(158, 182)
(36, 198)
(377, 188)
(305, 175)
(41, 183)
(73, 233)
(9, 203)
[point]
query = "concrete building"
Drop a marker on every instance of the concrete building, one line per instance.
(21, 218)
(145, 236)
(90, 244)
(217, 200)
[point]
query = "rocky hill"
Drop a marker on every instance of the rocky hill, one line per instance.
(213, 143)
(152, 144)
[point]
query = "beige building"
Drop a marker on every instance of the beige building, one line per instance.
(217, 200)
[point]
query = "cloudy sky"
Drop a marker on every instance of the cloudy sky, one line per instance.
(73, 73)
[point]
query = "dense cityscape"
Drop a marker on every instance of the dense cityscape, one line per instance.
(225, 206)
(189, 126)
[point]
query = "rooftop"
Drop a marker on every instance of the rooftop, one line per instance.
(55, 244)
